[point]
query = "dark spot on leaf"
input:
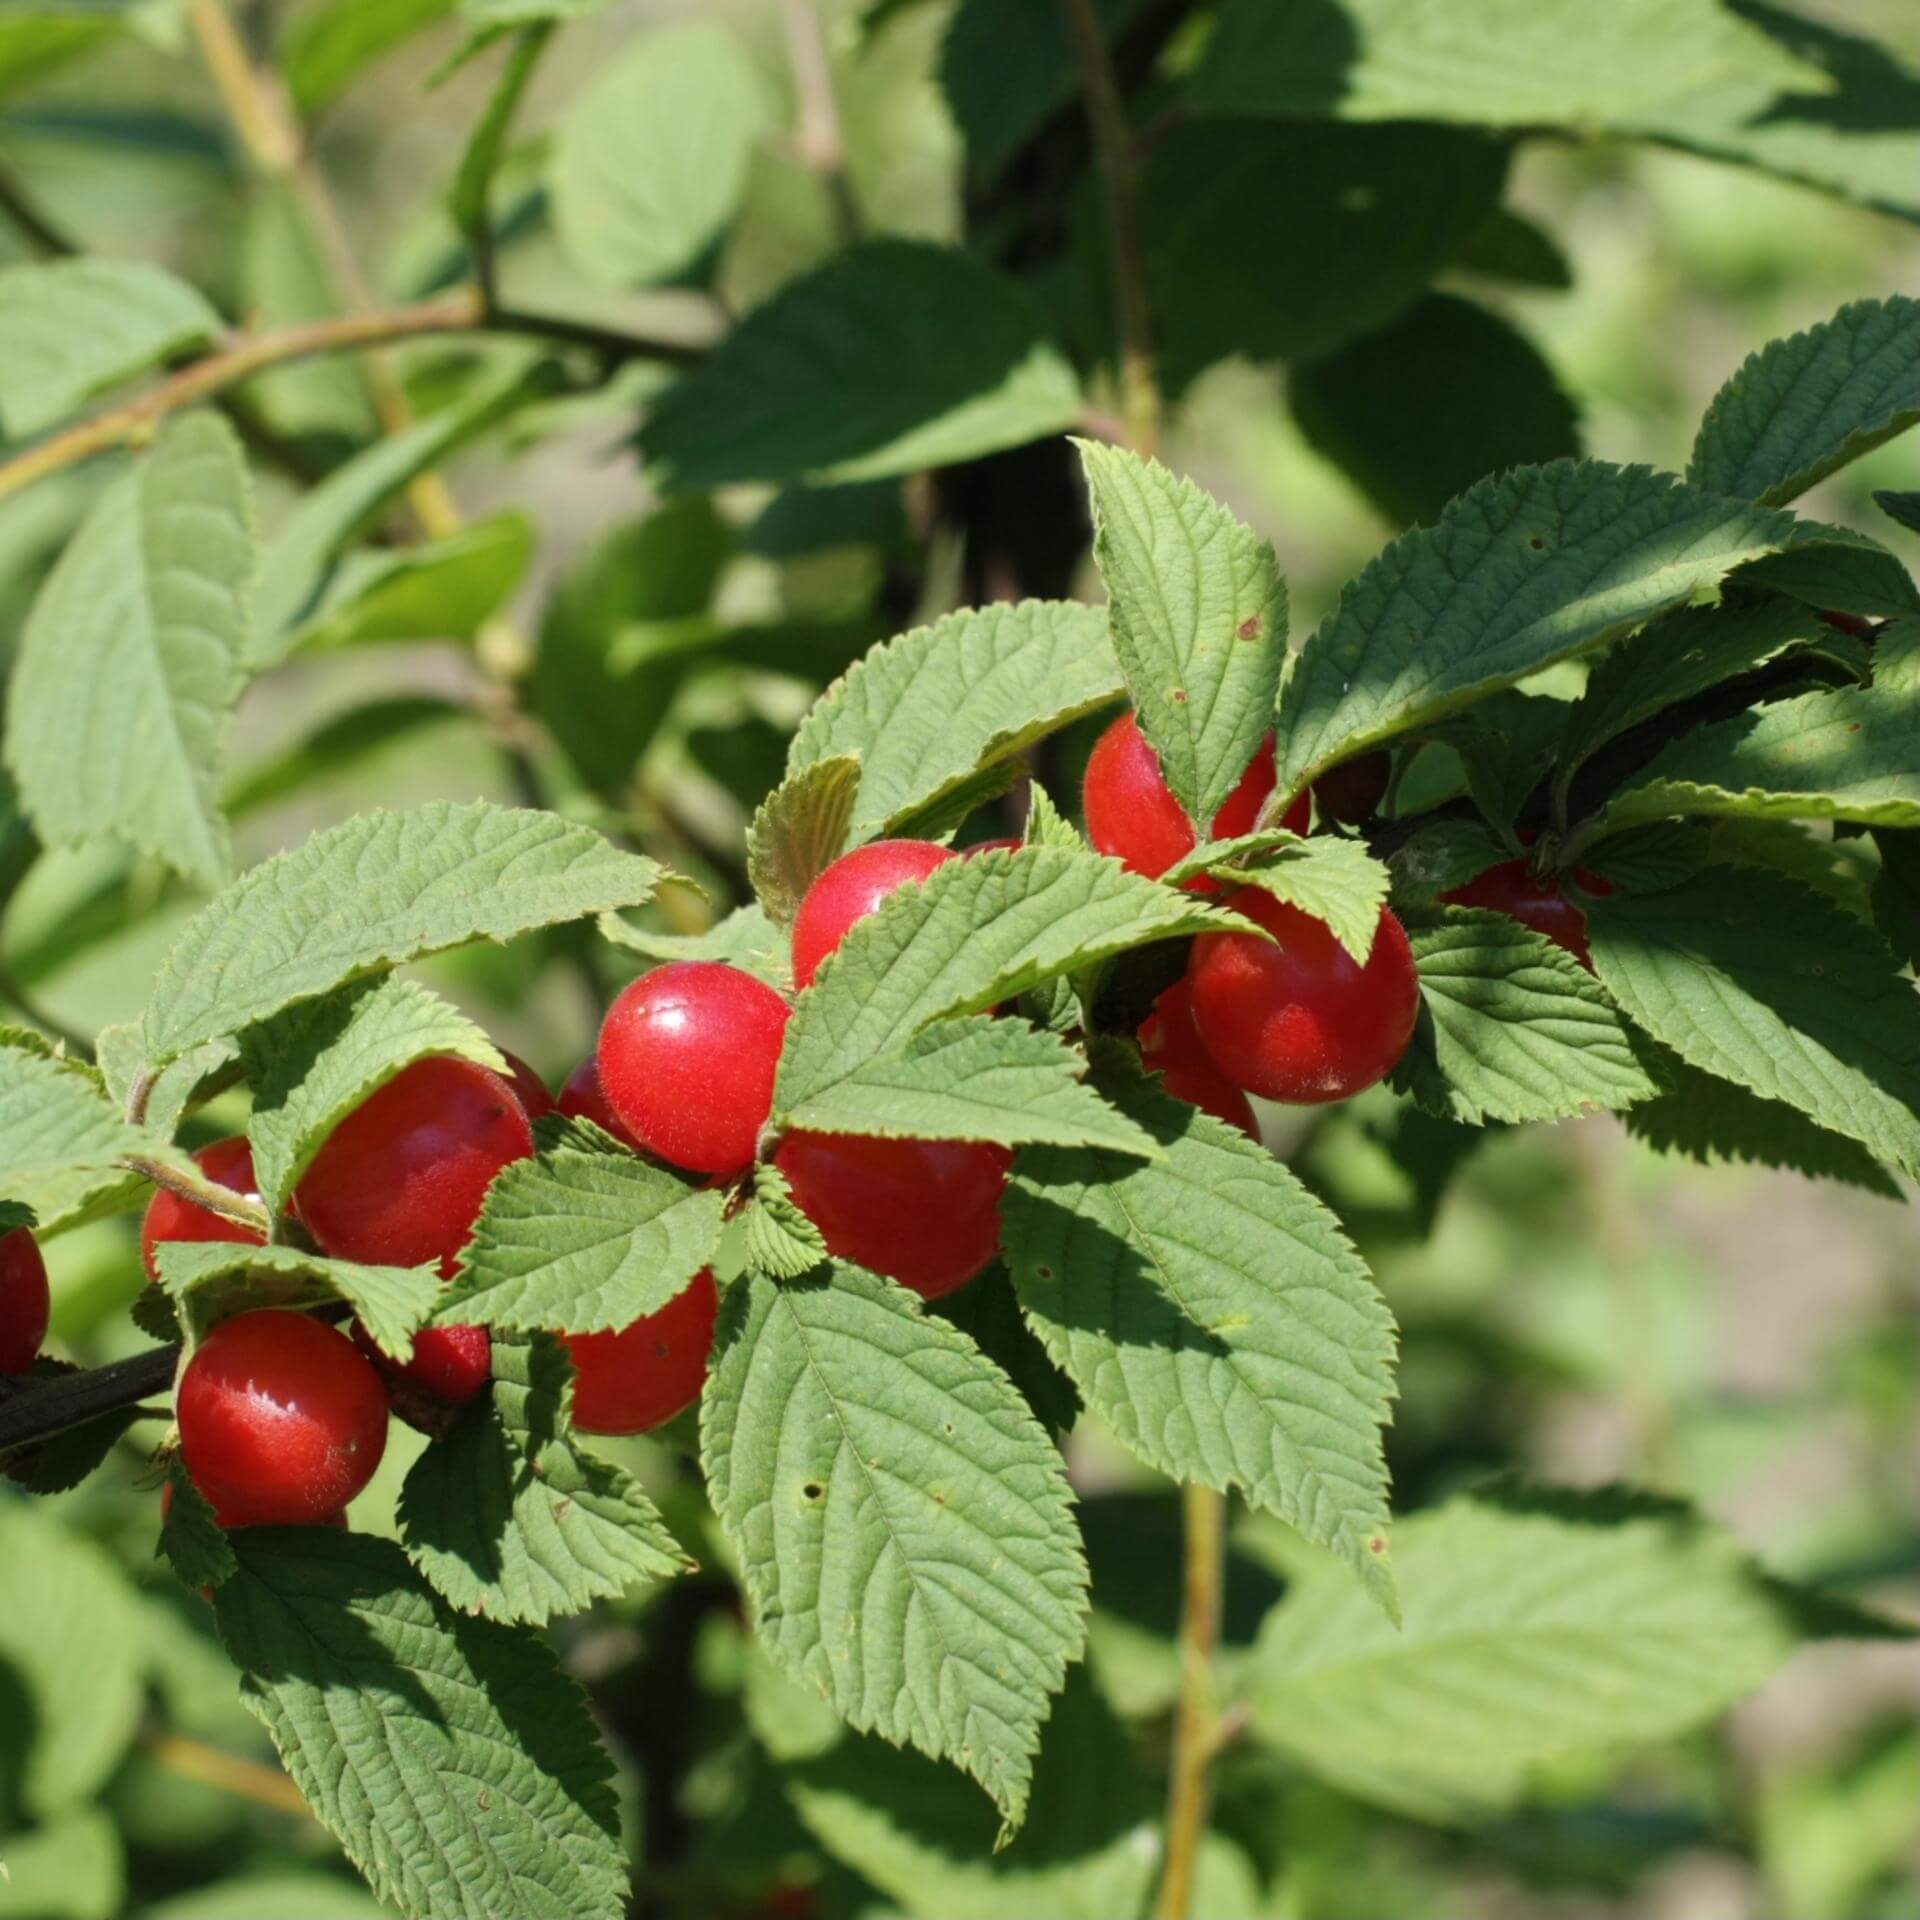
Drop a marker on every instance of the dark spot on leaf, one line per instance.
(813, 1490)
(1537, 544)
(1045, 1273)
(1376, 1545)
(1249, 628)
(1178, 696)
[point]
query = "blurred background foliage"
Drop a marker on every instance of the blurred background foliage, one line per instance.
(1570, 1304)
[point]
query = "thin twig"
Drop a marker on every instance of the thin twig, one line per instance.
(818, 141)
(195, 1760)
(609, 342)
(1118, 165)
(1196, 1737)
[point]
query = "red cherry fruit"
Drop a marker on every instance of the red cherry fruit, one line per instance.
(582, 1099)
(1131, 812)
(687, 1058)
(923, 1212)
(24, 1300)
(1513, 888)
(1296, 1018)
(528, 1088)
(638, 1378)
(852, 888)
(282, 1422)
(228, 1163)
(1170, 1046)
(1352, 791)
(454, 1364)
(221, 1519)
(1855, 624)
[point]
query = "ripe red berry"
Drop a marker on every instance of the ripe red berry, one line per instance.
(1131, 813)
(638, 1378)
(400, 1181)
(1352, 791)
(1513, 888)
(282, 1422)
(24, 1300)
(1171, 1047)
(923, 1212)
(1855, 624)
(1295, 1018)
(687, 1059)
(528, 1088)
(852, 888)
(454, 1364)
(229, 1163)
(582, 1099)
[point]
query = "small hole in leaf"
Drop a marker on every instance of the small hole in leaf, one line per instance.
(1045, 1273)
(813, 1490)
(1537, 544)
(1178, 696)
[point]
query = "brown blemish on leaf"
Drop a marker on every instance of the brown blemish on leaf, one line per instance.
(1249, 628)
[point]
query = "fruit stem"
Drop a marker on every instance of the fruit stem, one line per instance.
(203, 1192)
(1196, 1710)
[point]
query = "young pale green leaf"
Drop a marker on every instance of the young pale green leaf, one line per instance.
(1512, 1028)
(1850, 754)
(1335, 880)
(894, 356)
(60, 1142)
(798, 832)
(133, 658)
(451, 1757)
(979, 1078)
(294, 566)
(974, 933)
(312, 1064)
(71, 329)
(650, 166)
(508, 1517)
(194, 1542)
(72, 1641)
(1216, 1318)
(1803, 407)
(1199, 617)
(926, 1839)
(1754, 978)
(744, 938)
(1488, 62)
(1714, 1121)
(1683, 654)
(582, 1241)
(1536, 1627)
(929, 710)
(903, 1522)
(469, 200)
(220, 1277)
(74, 1866)
(325, 49)
(1530, 567)
(376, 890)
(775, 1236)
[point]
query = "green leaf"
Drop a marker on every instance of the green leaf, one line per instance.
(893, 356)
(1509, 247)
(312, 1064)
(451, 1757)
(904, 1525)
(1512, 1027)
(1199, 618)
(1849, 754)
(294, 566)
(776, 1238)
(328, 47)
(650, 166)
(1803, 407)
(509, 1517)
(516, 13)
(339, 748)
(1499, 63)
(1215, 1317)
(72, 1868)
(59, 1139)
(1536, 1628)
(173, 1089)
(1087, 1852)
(1755, 979)
(744, 938)
(1355, 222)
(976, 932)
(376, 890)
(1680, 655)
(73, 329)
(71, 1634)
(194, 1542)
(929, 710)
(439, 590)
(1506, 743)
(469, 200)
(799, 831)
(1896, 893)
(1440, 856)
(1528, 568)
(982, 1078)
(1713, 1122)
(987, 1311)
(1417, 411)
(1335, 880)
(134, 656)
(1903, 507)
(582, 1242)
(221, 1277)
(38, 41)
